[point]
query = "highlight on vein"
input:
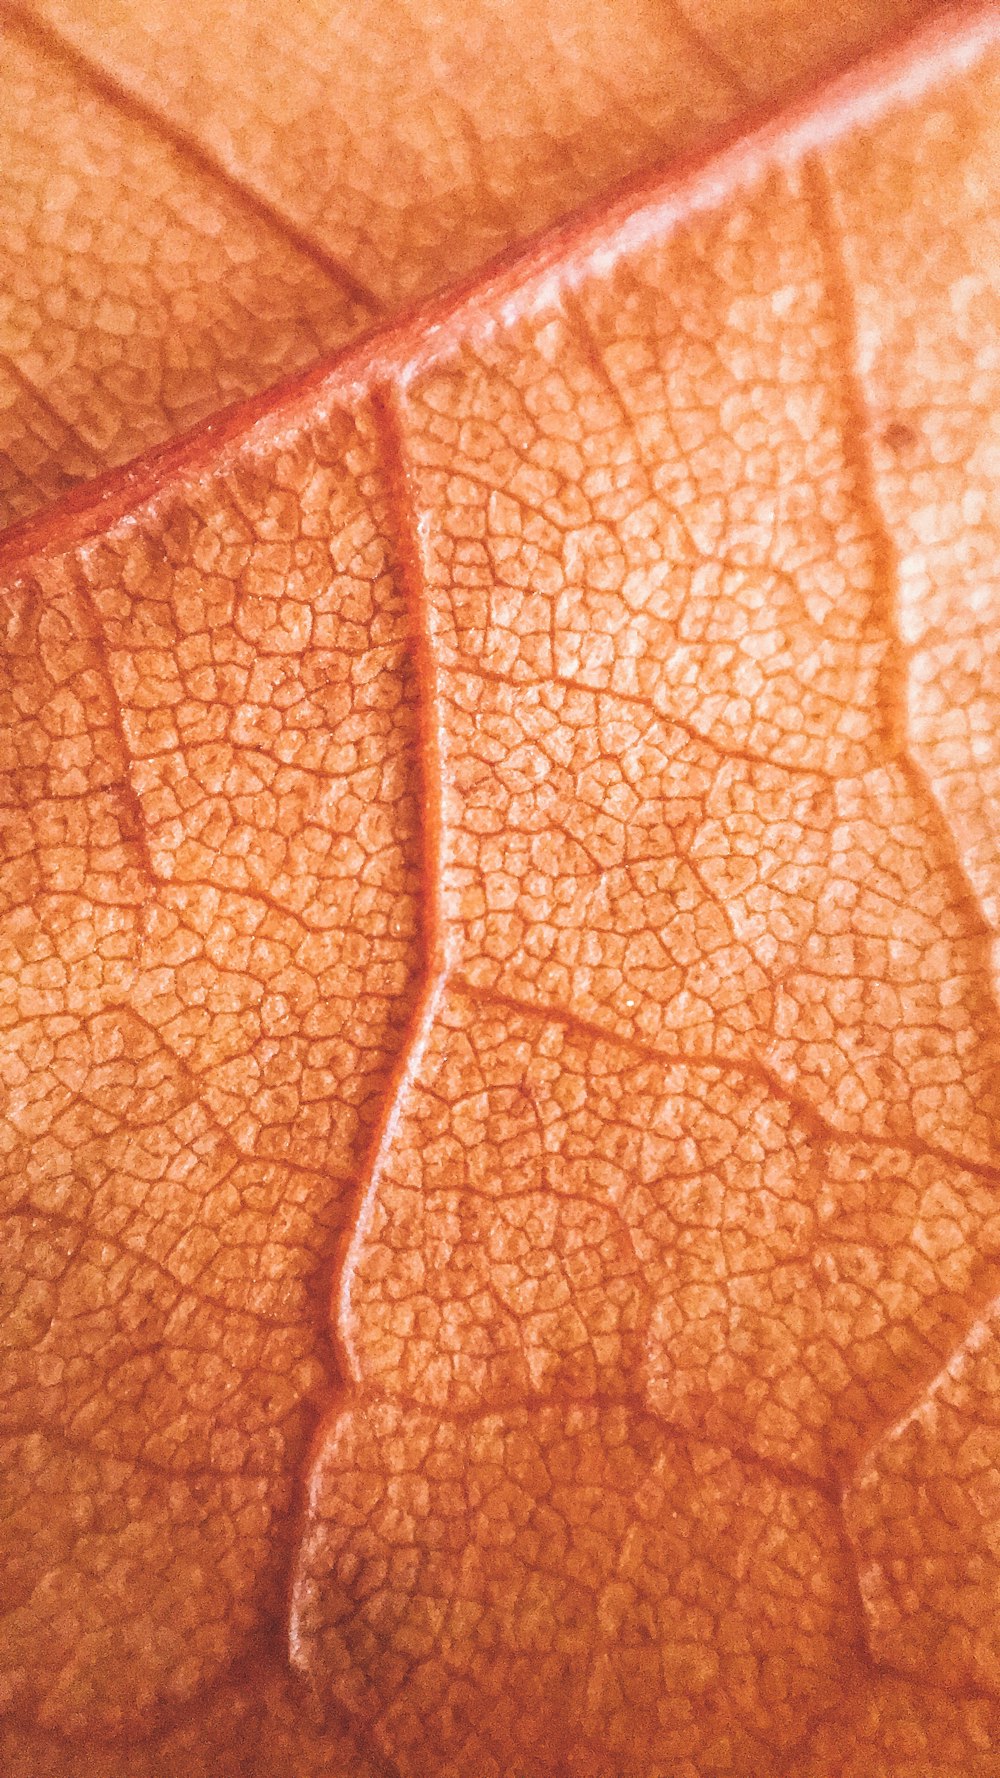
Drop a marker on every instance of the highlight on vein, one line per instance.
(501, 874)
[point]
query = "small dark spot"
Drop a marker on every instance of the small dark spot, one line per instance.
(899, 437)
(126, 810)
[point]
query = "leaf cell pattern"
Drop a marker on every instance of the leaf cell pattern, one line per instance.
(190, 211)
(500, 898)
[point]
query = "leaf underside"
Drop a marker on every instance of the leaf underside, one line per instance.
(500, 877)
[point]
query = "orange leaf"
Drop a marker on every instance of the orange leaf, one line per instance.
(500, 877)
(195, 204)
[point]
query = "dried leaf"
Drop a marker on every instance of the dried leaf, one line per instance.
(500, 882)
(195, 205)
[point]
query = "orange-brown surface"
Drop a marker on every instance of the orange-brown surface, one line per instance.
(500, 879)
(196, 201)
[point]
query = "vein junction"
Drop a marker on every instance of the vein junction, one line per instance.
(519, 781)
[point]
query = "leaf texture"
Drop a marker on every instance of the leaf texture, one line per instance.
(500, 886)
(191, 208)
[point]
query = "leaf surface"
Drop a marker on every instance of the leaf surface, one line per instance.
(500, 887)
(192, 209)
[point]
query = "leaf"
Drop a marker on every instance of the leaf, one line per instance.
(500, 874)
(192, 209)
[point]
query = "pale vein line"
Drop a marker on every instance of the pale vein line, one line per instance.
(857, 450)
(410, 547)
(413, 586)
(976, 1333)
(116, 715)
